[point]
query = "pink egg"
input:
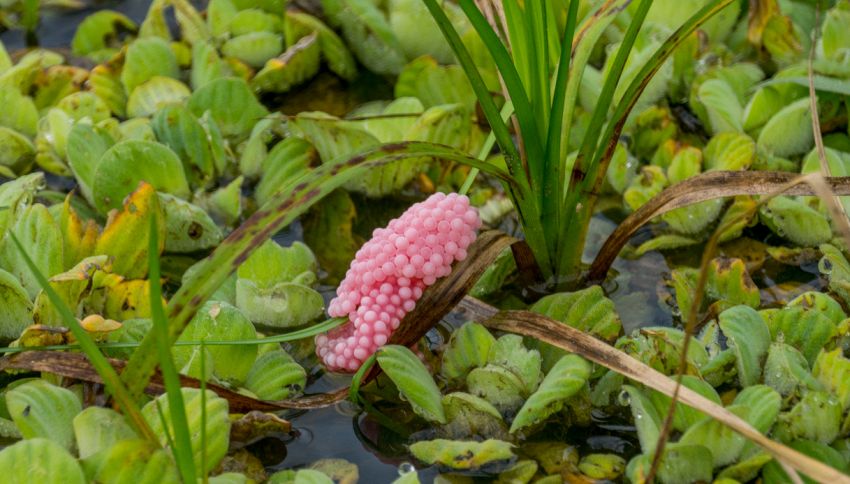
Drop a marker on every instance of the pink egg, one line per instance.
(389, 274)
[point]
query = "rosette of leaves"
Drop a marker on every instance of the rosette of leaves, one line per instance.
(275, 286)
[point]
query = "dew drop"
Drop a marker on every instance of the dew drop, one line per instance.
(406, 468)
(825, 266)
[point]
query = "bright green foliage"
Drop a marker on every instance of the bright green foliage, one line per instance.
(275, 376)
(413, 381)
(218, 321)
(97, 429)
(40, 409)
(750, 338)
(567, 377)
(131, 460)
(217, 425)
(45, 458)
(468, 348)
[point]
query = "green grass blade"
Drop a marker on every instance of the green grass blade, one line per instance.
(486, 148)
(524, 110)
(553, 185)
(113, 383)
(292, 201)
(182, 442)
(538, 27)
(205, 477)
(491, 112)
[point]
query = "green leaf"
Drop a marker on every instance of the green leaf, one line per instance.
(367, 33)
(18, 150)
(729, 151)
(179, 129)
(148, 97)
(795, 221)
(123, 166)
(334, 51)
(254, 48)
(97, 429)
(298, 64)
(469, 347)
(217, 425)
(832, 369)
(646, 418)
(20, 114)
(413, 380)
(806, 329)
(276, 376)
(789, 132)
(588, 310)
(724, 110)
(837, 268)
(499, 386)
(816, 417)
(39, 230)
(254, 20)
(147, 58)
(787, 371)
(219, 321)
(822, 303)
(274, 286)
(680, 463)
(566, 378)
(749, 336)
(509, 353)
(45, 459)
(94, 32)
(461, 455)
(15, 306)
(685, 416)
(40, 409)
(649, 183)
(233, 106)
(207, 66)
(86, 146)
(188, 228)
(288, 160)
(132, 460)
(434, 84)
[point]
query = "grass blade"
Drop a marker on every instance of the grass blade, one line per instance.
(110, 378)
(513, 83)
(182, 442)
(491, 112)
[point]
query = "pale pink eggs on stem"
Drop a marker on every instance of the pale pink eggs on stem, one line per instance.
(389, 274)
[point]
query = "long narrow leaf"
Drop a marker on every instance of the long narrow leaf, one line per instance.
(513, 83)
(110, 378)
(182, 443)
(553, 184)
(491, 112)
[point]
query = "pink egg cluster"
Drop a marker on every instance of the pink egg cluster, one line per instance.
(390, 272)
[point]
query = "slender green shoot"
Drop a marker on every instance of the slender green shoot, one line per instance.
(182, 441)
(486, 148)
(205, 476)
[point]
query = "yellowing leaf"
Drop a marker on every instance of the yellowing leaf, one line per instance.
(126, 231)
